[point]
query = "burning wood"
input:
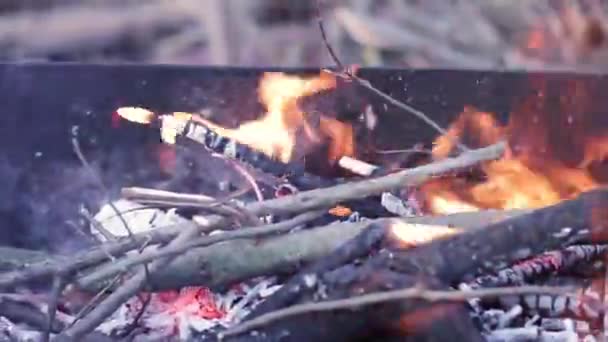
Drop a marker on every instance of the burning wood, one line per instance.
(184, 264)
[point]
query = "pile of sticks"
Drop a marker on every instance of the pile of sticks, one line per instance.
(369, 264)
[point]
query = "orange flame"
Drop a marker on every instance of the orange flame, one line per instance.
(550, 157)
(136, 114)
(277, 132)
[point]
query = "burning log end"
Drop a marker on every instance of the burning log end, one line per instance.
(497, 245)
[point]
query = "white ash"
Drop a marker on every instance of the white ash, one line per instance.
(395, 205)
(530, 334)
(179, 317)
(139, 218)
(508, 317)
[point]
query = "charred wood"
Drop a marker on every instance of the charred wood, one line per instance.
(542, 265)
(445, 262)
(340, 275)
(492, 248)
(293, 172)
(23, 312)
(228, 262)
(583, 308)
(27, 269)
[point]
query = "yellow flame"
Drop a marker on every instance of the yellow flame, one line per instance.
(136, 114)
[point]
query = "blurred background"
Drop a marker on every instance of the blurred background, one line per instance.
(487, 34)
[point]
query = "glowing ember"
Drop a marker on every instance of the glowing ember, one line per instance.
(340, 211)
(197, 300)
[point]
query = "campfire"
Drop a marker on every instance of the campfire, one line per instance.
(501, 241)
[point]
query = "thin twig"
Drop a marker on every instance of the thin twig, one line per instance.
(405, 150)
(101, 184)
(328, 46)
(174, 199)
(95, 300)
(350, 75)
(296, 203)
(140, 313)
(58, 285)
(388, 296)
(247, 176)
(146, 257)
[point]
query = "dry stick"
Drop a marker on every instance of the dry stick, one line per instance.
(463, 220)
(52, 265)
(82, 260)
(327, 197)
(303, 201)
(348, 74)
(95, 300)
(299, 202)
(58, 285)
(122, 294)
(246, 176)
(60, 282)
(226, 263)
(154, 196)
(100, 183)
(255, 232)
(354, 303)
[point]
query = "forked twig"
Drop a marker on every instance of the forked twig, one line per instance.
(387, 296)
(348, 74)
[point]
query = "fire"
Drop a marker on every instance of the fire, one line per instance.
(409, 235)
(136, 114)
(284, 124)
(550, 157)
(277, 131)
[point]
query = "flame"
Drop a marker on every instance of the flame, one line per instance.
(276, 132)
(136, 114)
(550, 157)
(409, 235)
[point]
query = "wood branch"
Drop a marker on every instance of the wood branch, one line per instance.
(356, 302)
(335, 277)
(299, 202)
(491, 248)
(232, 261)
(30, 267)
(13, 258)
(438, 264)
(27, 265)
(315, 199)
